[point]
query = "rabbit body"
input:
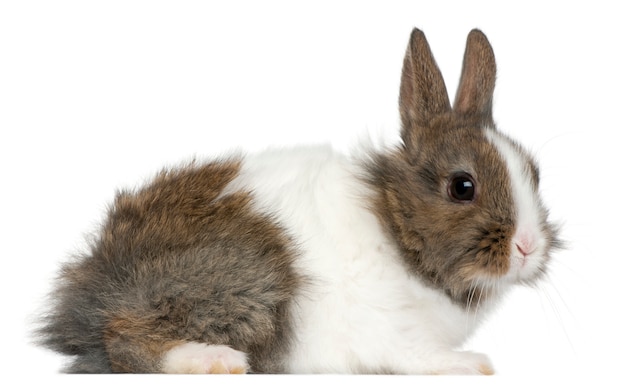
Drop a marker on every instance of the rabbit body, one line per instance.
(305, 260)
(357, 309)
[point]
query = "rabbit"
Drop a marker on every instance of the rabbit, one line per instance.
(306, 260)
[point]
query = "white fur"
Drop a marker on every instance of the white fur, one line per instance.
(198, 358)
(362, 311)
(528, 235)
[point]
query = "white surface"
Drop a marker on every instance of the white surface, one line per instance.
(94, 97)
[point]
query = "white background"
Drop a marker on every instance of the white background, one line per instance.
(96, 96)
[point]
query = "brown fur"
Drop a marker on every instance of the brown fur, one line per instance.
(176, 263)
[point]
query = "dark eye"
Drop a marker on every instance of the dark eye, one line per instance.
(461, 187)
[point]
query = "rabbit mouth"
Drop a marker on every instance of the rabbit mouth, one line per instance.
(530, 254)
(500, 261)
(483, 287)
(524, 263)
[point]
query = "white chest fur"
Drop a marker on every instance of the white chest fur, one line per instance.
(361, 311)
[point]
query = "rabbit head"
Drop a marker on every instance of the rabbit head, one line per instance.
(461, 198)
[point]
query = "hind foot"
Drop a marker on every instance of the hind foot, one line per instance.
(199, 358)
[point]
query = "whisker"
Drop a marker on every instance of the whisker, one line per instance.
(478, 302)
(471, 298)
(468, 305)
(556, 312)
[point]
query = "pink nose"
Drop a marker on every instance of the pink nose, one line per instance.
(525, 242)
(523, 249)
(525, 245)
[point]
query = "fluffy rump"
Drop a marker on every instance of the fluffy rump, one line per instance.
(175, 262)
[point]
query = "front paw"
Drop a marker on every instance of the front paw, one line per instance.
(461, 363)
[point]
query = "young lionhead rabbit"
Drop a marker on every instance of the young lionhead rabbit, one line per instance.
(307, 261)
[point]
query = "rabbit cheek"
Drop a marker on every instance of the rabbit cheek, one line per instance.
(493, 256)
(488, 262)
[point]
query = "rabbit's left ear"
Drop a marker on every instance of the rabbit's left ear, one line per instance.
(423, 92)
(478, 78)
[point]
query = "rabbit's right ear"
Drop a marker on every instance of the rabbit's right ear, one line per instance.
(423, 92)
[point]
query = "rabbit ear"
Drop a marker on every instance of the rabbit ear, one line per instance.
(422, 89)
(478, 78)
